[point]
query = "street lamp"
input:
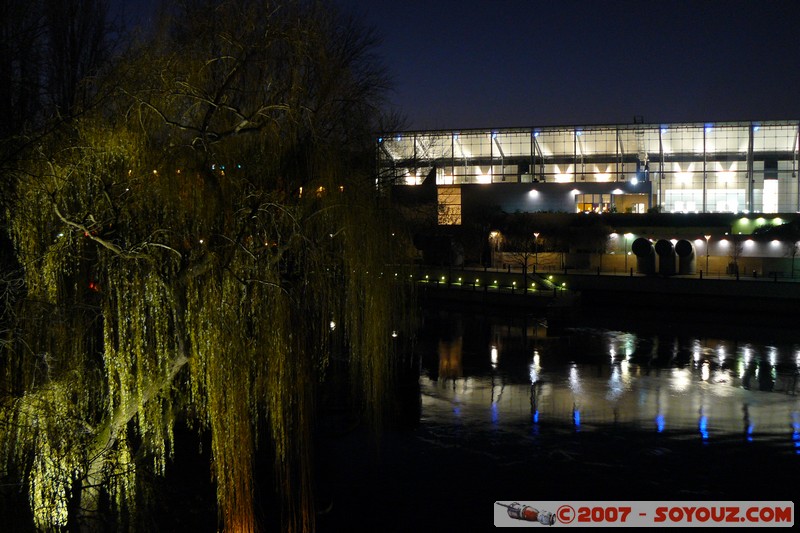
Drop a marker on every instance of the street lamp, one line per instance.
(625, 238)
(707, 239)
(536, 247)
(494, 240)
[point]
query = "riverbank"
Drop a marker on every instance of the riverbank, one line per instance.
(561, 296)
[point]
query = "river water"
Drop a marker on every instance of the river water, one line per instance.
(487, 372)
(608, 408)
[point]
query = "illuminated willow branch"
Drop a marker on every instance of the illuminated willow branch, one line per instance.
(173, 283)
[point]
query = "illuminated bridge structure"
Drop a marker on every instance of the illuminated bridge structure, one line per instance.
(716, 167)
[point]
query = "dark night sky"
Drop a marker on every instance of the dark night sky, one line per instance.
(460, 64)
(481, 63)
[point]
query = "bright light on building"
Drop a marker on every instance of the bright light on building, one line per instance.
(694, 179)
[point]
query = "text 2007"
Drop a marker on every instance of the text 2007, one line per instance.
(603, 514)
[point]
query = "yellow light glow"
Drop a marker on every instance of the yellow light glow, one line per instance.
(565, 176)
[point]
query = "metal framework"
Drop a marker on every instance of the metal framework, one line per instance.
(685, 167)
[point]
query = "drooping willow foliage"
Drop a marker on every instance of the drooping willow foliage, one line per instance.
(194, 248)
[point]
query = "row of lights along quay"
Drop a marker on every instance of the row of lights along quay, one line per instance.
(564, 294)
(744, 269)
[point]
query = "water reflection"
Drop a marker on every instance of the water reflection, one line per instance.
(450, 359)
(509, 374)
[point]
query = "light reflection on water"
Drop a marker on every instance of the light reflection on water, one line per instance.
(509, 375)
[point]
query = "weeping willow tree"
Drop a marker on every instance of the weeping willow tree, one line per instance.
(188, 247)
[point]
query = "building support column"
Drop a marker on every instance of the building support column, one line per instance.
(574, 155)
(750, 179)
(796, 170)
(705, 176)
(661, 168)
(617, 157)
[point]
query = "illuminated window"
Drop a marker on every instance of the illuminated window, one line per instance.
(770, 196)
(449, 205)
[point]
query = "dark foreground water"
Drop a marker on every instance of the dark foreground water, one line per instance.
(608, 409)
(499, 407)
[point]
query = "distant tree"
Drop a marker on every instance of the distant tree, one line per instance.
(520, 249)
(78, 45)
(195, 250)
(735, 251)
(585, 234)
(49, 52)
(590, 234)
(21, 51)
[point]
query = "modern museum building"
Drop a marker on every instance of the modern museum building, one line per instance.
(715, 167)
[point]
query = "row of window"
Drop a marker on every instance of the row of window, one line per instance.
(654, 140)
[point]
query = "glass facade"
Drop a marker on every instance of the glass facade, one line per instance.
(741, 167)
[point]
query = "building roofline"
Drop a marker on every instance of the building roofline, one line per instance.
(589, 127)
